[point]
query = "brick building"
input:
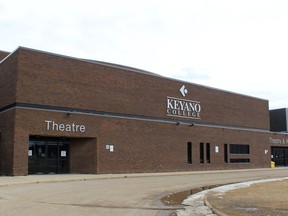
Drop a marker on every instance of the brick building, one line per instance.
(60, 114)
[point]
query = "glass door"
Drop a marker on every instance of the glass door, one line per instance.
(280, 156)
(52, 157)
(63, 157)
(37, 156)
(48, 155)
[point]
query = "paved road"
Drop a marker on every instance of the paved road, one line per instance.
(107, 195)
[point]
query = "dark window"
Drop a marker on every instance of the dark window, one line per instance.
(225, 153)
(201, 153)
(208, 152)
(239, 149)
(240, 160)
(189, 153)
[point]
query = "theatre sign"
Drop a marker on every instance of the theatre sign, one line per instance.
(277, 141)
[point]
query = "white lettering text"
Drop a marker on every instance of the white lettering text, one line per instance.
(52, 125)
(183, 108)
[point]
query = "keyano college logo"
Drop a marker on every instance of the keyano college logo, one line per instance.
(183, 90)
(183, 108)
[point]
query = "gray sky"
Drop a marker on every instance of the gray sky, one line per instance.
(239, 46)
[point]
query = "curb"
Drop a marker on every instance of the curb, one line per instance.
(34, 179)
(214, 210)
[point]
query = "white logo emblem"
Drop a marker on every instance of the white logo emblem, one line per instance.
(183, 90)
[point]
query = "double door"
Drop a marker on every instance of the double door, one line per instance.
(280, 156)
(48, 155)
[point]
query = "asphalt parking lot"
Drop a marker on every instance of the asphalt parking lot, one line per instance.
(131, 194)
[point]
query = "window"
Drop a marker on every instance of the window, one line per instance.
(201, 153)
(208, 153)
(240, 160)
(225, 153)
(189, 153)
(239, 149)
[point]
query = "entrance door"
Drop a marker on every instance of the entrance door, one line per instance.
(48, 155)
(280, 156)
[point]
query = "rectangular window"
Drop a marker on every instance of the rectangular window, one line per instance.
(239, 149)
(201, 153)
(189, 153)
(208, 153)
(240, 160)
(225, 153)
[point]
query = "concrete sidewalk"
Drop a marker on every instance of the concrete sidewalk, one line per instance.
(48, 178)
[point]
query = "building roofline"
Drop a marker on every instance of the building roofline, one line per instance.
(103, 63)
(4, 51)
(283, 108)
(9, 54)
(127, 68)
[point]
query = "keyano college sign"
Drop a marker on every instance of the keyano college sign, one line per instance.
(183, 108)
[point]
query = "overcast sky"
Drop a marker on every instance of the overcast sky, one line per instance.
(239, 46)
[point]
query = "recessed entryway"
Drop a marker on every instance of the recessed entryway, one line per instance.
(48, 155)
